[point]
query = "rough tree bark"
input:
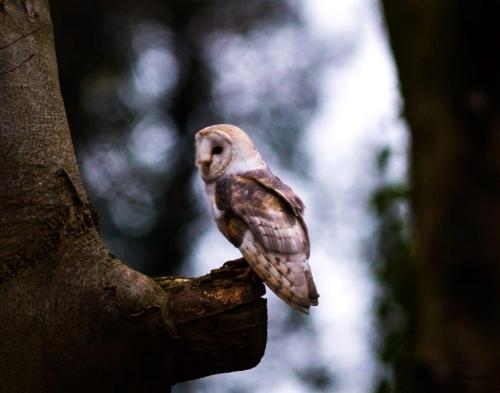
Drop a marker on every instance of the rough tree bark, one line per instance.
(448, 57)
(72, 316)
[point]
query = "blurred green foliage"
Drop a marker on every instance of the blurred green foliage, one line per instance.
(393, 267)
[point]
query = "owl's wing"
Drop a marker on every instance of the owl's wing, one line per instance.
(273, 183)
(271, 234)
(266, 213)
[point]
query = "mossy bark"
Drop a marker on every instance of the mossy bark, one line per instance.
(73, 317)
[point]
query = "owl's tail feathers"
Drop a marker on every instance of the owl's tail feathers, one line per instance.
(311, 287)
(288, 277)
(294, 298)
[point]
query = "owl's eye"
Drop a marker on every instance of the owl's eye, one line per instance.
(217, 150)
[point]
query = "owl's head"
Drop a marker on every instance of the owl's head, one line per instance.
(225, 149)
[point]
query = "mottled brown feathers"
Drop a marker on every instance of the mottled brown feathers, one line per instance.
(274, 183)
(268, 214)
(236, 230)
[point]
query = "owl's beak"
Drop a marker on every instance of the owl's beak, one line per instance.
(204, 161)
(205, 166)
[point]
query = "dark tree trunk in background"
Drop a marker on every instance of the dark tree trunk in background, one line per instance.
(73, 317)
(448, 58)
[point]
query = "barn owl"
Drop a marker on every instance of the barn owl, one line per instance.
(257, 213)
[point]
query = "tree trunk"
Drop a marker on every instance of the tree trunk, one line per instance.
(448, 57)
(73, 317)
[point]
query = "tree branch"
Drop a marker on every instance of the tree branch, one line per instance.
(74, 317)
(218, 319)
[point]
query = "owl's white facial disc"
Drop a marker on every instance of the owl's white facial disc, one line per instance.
(214, 153)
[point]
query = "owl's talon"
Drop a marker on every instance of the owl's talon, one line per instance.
(239, 263)
(247, 272)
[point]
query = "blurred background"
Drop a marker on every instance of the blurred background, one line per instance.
(315, 85)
